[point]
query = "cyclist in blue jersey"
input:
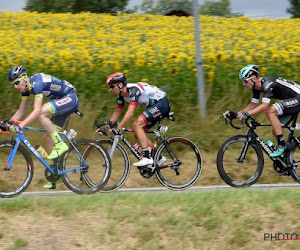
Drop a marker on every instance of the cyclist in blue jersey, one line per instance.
(288, 92)
(63, 102)
(152, 98)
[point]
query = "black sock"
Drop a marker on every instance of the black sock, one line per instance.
(280, 140)
(146, 153)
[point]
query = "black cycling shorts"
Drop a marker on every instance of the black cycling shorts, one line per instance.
(288, 106)
(157, 111)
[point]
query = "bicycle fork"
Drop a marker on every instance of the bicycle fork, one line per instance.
(243, 152)
(11, 156)
(113, 146)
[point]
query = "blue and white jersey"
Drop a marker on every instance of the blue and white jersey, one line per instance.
(48, 86)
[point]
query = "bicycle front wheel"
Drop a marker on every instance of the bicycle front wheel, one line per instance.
(95, 169)
(120, 165)
(15, 180)
(182, 163)
(240, 162)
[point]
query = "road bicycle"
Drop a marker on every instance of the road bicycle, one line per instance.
(182, 159)
(73, 167)
(240, 159)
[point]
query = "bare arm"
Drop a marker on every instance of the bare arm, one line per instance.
(254, 109)
(259, 109)
(37, 107)
(21, 110)
(249, 107)
(116, 114)
(128, 115)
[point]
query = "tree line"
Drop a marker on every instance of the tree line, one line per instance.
(211, 8)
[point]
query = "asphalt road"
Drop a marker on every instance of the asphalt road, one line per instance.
(163, 189)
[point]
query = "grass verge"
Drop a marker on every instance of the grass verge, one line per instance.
(231, 219)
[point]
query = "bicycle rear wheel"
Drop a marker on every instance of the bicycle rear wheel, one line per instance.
(96, 173)
(183, 164)
(240, 162)
(294, 159)
(16, 180)
(120, 165)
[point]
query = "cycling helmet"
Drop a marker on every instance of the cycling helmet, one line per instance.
(248, 71)
(115, 78)
(16, 72)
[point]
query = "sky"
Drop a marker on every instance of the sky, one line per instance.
(249, 8)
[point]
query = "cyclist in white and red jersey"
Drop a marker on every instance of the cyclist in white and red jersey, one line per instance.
(287, 92)
(141, 93)
(63, 102)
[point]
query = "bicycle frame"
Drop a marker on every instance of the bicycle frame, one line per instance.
(268, 150)
(157, 133)
(117, 138)
(22, 138)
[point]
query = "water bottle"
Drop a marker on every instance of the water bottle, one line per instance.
(41, 151)
(137, 147)
(270, 144)
(71, 134)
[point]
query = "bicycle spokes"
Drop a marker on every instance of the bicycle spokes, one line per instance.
(182, 166)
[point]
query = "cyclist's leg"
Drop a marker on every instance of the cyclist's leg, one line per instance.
(283, 107)
(58, 120)
(138, 127)
(148, 119)
(60, 110)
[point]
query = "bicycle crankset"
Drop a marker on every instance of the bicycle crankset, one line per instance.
(51, 177)
(280, 170)
(146, 172)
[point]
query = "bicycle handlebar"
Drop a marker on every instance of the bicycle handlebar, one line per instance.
(231, 115)
(4, 125)
(99, 125)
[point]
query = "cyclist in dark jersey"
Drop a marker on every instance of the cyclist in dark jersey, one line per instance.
(288, 92)
(63, 102)
(143, 94)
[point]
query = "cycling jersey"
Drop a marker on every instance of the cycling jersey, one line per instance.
(48, 86)
(141, 93)
(277, 88)
(287, 92)
(62, 93)
(148, 96)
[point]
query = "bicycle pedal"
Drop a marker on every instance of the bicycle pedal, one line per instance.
(53, 186)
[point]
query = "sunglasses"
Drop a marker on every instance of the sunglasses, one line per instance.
(247, 79)
(16, 82)
(112, 86)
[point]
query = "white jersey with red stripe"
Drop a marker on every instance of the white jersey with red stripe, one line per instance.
(141, 93)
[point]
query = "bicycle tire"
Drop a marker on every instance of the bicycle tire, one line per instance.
(97, 173)
(120, 164)
(244, 173)
(294, 158)
(189, 170)
(18, 178)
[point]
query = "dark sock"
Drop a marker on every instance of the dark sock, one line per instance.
(280, 140)
(146, 153)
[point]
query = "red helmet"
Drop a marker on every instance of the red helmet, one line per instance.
(115, 78)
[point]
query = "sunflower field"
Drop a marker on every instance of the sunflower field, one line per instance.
(85, 48)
